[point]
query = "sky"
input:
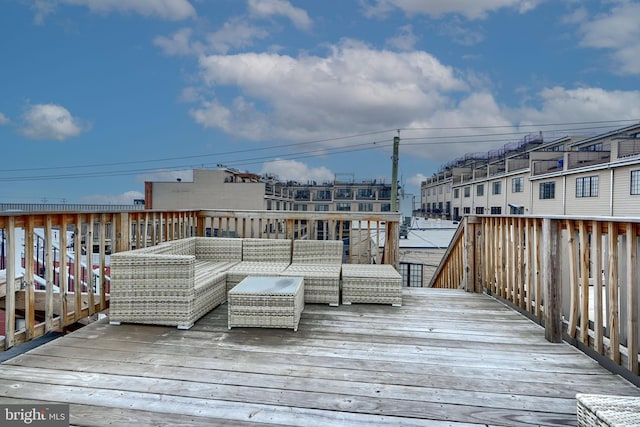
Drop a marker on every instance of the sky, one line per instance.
(97, 97)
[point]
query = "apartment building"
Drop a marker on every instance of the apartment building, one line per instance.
(222, 188)
(227, 188)
(584, 176)
(342, 195)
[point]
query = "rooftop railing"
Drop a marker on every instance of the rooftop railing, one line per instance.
(578, 277)
(54, 266)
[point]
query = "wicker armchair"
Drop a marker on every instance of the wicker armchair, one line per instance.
(320, 263)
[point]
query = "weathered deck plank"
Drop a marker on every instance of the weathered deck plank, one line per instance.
(443, 358)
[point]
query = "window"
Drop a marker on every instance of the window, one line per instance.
(480, 190)
(556, 148)
(440, 207)
(594, 147)
(456, 193)
(440, 190)
(517, 185)
(385, 207)
(467, 211)
(299, 207)
(479, 210)
(497, 187)
(635, 182)
(343, 206)
(365, 193)
(516, 210)
(365, 207)
(467, 191)
(496, 210)
(323, 195)
(547, 190)
(322, 208)
(385, 193)
(587, 186)
(343, 193)
(302, 195)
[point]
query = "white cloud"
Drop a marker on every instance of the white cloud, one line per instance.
(126, 198)
(416, 180)
(171, 10)
(51, 121)
(405, 40)
(297, 171)
(42, 8)
(4, 120)
(619, 32)
(354, 88)
(179, 43)
(234, 34)
(560, 105)
(269, 8)
(461, 33)
(475, 9)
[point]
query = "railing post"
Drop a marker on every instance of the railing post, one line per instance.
(122, 232)
(470, 275)
(10, 294)
(552, 280)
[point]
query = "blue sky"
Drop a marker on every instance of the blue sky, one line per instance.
(96, 97)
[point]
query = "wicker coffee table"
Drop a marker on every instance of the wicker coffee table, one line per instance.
(266, 302)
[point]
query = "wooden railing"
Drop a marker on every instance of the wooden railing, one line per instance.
(48, 285)
(578, 277)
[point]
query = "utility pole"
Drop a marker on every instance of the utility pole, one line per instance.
(394, 173)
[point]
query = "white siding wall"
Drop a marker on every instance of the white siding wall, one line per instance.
(590, 206)
(625, 204)
(522, 198)
(547, 206)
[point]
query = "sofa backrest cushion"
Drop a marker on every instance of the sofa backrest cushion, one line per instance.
(266, 250)
(317, 251)
(219, 249)
(185, 246)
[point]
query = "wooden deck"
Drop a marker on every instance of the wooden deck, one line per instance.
(444, 358)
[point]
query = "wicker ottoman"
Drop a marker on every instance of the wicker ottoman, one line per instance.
(266, 302)
(371, 283)
(606, 410)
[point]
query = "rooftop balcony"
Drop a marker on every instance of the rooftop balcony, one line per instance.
(491, 342)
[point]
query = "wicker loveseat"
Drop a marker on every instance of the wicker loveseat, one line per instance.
(174, 283)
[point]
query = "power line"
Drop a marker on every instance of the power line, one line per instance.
(429, 140)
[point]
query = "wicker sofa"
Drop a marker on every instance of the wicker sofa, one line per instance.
(174, 283)
(320, 263)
